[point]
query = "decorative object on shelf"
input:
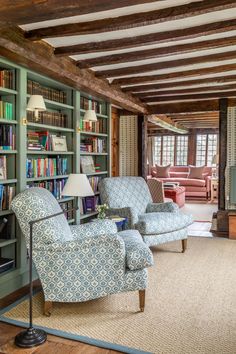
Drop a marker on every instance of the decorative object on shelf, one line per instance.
(59, 143)
(87, 164)
(102, 210)
(215, 163)
(36, 104)
(77, 185)
(90, 116)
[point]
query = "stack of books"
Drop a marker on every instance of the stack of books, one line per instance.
(93, 145)
(100, 126)
(6, 78)
(45, 141)
(7, 137)
(6, 110)
(170, 185)
(46, 167)
(33, 142)
(34, 88)
(7, 193)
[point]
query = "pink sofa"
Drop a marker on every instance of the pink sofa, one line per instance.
(193, 187)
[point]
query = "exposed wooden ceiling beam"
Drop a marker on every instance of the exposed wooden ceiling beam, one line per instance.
(190, 97)
(147, 39)
(167, 64)
(185, 107)
(173, 75)
(29, 11)
(39, 57)
(156, 52)
(134, 20)
(173, 84)
(186, 90)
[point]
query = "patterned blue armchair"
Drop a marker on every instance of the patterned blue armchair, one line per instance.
(157, 222)
(81, 262)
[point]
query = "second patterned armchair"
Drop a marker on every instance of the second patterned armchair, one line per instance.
(157, 222)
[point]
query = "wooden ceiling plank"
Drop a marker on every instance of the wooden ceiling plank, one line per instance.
(157, 52)
(30, 11)
(185, 107)
(201, 89)
(130, 21)
(129, 70)
(174, 75)
(191, 97)
(147, 39)
(173, 84)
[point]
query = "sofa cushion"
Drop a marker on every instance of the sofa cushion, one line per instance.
(196, 172)
(138, 254)
(162, 171)
(187, 181)
(160, 223)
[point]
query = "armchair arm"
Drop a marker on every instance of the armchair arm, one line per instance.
(126, 212)
(169, 207)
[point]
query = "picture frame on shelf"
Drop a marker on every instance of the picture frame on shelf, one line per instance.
(87, 164)
(59, 143)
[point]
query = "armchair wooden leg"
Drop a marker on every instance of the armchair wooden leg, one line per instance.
(47, 308)
(184, 245)
(142, 300)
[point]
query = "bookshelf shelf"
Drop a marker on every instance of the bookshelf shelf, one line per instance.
(65, 199)
(93, 134)
(4, 243)
(7, 121)
(8, 181)
(35, 152)
(93, 153)
(8, 151)
(88, 215)
(7, 92)
(35, 179)
(97, 173)
(5, 212)
(49, 127)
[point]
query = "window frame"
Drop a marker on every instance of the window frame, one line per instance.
(161, 137)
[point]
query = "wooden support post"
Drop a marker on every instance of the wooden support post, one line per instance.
(223, 105)
(142, 146)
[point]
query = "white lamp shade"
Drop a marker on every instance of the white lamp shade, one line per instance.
(77, 185)
(36, 102)
(90, 115)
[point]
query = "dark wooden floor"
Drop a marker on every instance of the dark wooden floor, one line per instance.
(54, 344)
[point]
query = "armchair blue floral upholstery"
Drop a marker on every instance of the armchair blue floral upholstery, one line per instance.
(157, 222)
(80, 262)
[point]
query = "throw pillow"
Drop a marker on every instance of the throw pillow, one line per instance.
(196, 172)
(162, 171)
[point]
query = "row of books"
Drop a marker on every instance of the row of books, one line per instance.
(68, 206)
(34, 88)
(95, 105)
(6, 110)
(93, 145)
(7, 137)
(3, 167)
(94, 180)
(7, 193)
(54, 186)
(88, 204)
(100, 126)
(46, 167)
(6, 78)
(44, 141)
(51, 118)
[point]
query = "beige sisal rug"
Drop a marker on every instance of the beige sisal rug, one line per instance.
(190, 305)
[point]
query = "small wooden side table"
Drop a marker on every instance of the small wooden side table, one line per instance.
(214, 189)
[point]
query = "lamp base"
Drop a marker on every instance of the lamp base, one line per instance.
(31, 337)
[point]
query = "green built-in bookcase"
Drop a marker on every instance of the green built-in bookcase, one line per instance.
(65, 108)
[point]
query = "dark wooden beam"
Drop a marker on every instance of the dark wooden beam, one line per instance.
(142, 146)
(190, 97)
(29, 11)
(196, 106)
(174, 75)
(130, 21)
(39, 57)
(223, 106)
(129, 70)
(147, 39)
(186, 90)
(173, 84)
(156, 52)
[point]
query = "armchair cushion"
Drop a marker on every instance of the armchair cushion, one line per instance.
(138, 254)
(160, 223)
(97, 228)
(162, 207)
